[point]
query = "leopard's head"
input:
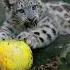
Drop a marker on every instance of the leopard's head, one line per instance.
(25, 10)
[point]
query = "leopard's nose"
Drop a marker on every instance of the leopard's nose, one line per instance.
(29, 19)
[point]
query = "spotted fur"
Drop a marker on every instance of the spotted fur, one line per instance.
(37, 23)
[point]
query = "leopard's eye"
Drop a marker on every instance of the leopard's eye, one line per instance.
(21, 10)
(33, 7)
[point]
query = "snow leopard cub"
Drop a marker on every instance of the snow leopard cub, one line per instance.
(35, 22)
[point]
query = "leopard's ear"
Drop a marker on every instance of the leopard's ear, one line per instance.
(8, 3)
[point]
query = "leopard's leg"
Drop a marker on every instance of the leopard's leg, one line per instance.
(41, 36)
(6, 32)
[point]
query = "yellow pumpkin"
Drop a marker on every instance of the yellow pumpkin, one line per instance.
(15, 55)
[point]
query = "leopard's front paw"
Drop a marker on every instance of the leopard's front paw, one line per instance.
(4, 36)
(29, 38)
(22, 36)
(32, 41)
